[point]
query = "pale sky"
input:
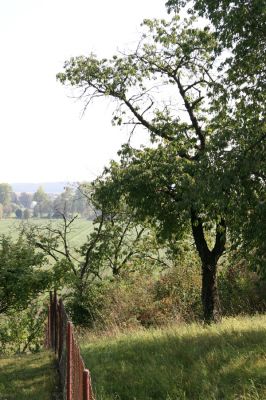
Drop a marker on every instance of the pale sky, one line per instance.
(43, 137)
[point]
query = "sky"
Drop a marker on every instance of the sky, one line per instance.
(44, 138)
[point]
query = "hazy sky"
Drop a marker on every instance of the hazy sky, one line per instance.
(43, 137)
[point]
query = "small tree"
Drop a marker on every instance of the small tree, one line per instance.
(43, 204)
(18, 213)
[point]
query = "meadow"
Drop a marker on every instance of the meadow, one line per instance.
(80, 228)
(189, 362)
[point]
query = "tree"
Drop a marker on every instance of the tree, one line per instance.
(116, 243)
(21, 275)
(201, 115)
(239, 27)
(43, 204)
(18, 213)
(25, 199)
(81, 205)
(63, 204)
(123, 241)
(5, 194)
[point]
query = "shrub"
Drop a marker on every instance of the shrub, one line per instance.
(22, 331)
(242, 291)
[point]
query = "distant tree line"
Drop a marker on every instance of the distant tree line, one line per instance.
(42, 205)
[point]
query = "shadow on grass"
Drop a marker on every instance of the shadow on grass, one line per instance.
(207, 366)
(29, 377)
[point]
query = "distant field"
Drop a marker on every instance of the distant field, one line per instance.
(190, 362)
(81, 228)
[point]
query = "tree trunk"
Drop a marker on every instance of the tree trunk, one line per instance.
(209, 294)
(209, 259)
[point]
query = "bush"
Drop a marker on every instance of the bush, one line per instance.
(152, 299)
(22, 331)
(139, 299)
(242, 291)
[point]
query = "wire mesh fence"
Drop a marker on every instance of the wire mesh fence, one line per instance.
(74, 377)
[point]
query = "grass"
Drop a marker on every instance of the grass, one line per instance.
(225, 361)
(80, 228)
(28, 377)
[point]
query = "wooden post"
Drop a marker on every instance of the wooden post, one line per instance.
(51, 321)
(55, 323)
(48, 333)
(69, 359)
(87, 392)
(60, 330)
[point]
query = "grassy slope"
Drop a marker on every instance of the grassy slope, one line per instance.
(27, 377)
(227, 361)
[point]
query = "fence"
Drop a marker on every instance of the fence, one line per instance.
(75, 378)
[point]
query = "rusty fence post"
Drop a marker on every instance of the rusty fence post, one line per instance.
(55, 323)
(69, 359)
(60, 329)
(48, 329)
(87, 392)
(51, 321)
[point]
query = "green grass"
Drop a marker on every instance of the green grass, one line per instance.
(226, 361)
(80, 228)
(28, 377)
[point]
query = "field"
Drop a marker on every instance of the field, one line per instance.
(80, 230)
(28, 377)
(191, 362)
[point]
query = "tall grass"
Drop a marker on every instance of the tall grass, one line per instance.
(225, 361)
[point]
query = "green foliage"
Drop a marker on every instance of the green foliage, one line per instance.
(43, 203)
(25, 199)
(190, 362)
(144, 299)
(5, 193)
(23, 331)
(22, 276)
(242, 291)
(239, 26)
(167, 184)
(151, 297)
